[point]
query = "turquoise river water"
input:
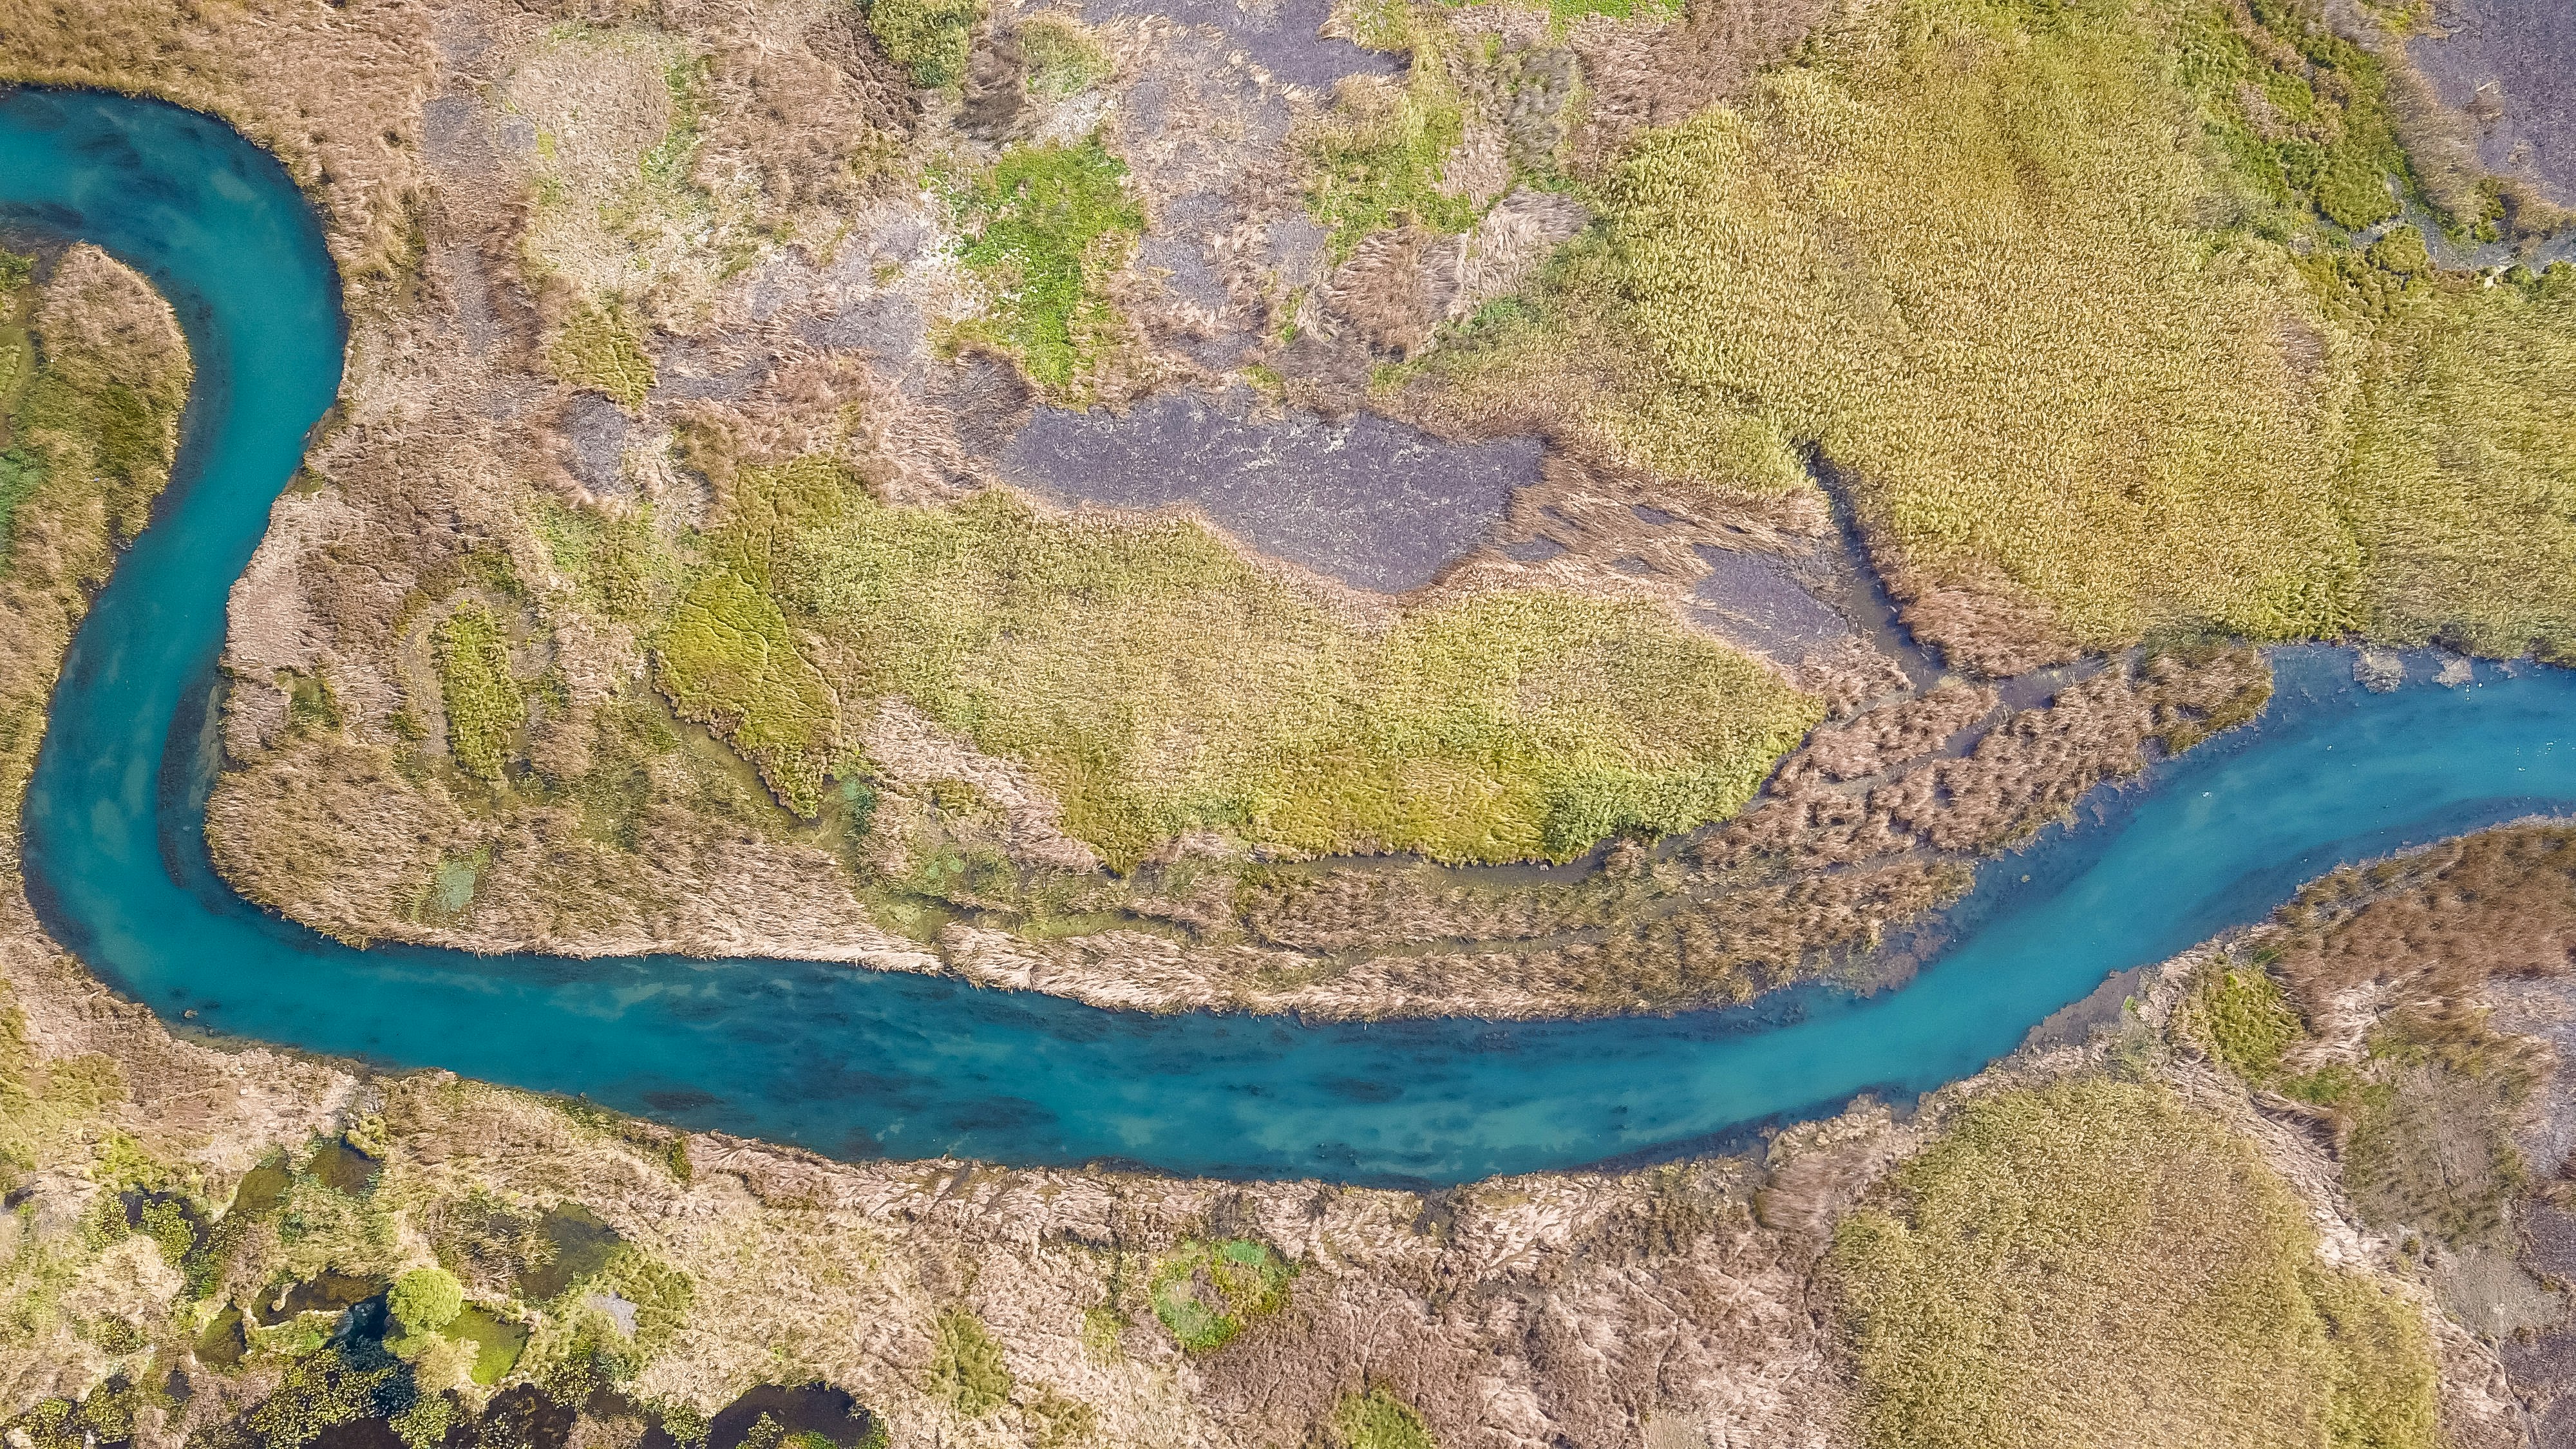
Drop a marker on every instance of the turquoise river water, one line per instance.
(856, 1063)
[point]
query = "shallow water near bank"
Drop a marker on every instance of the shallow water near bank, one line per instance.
(857, 1063)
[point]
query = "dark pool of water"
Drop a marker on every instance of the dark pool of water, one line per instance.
(857, 1063)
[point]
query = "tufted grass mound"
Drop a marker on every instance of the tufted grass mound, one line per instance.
(1205, 1293)
(2093, 1264)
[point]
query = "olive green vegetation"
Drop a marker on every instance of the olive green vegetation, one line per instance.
(1206, 1293)
(485, 707)
(1063, 59)
(425, 1300)
(2300, 108)
(1155, 682)
(1378, 1420)
(1384, 171)
(966, 1366)
(1046, 227)
(615, 561)
(2064, 291)
(728, 660)
(2248, 1022)
(497, 1343)
(2426, 1115)
(927, 37)
(601, 346)
(2092, 1263)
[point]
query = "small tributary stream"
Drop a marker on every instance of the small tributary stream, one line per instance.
(853, 1062)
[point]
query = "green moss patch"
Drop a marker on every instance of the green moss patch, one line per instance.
(2247, 1020)
(1045, 227)
(1206, 1293)
(966, 1368)
(1378, 1420)
(727, 660)
(1383, 168)
(485, 708)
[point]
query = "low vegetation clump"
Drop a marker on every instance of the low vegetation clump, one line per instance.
(1063, 58)
(1045, 227)
(1378, 1420)
(2248, 1021)
(2092, 1263)
(485, 708)
(1379, 160)
(1206, 1293)
(1155, 682)
(929, 38)
(601, 347)
(966, 1368)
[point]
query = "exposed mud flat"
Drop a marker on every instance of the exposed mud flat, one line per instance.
(2511, 65)
(1373, 503)
(1284, 39)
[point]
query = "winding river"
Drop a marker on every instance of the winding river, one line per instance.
(856, 1063)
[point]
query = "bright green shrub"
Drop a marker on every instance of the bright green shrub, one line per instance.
(425, 1300)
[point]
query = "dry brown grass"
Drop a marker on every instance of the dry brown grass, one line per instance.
(2440, 922)
(334, 89)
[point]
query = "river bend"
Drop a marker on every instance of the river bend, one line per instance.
(858, 1063)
